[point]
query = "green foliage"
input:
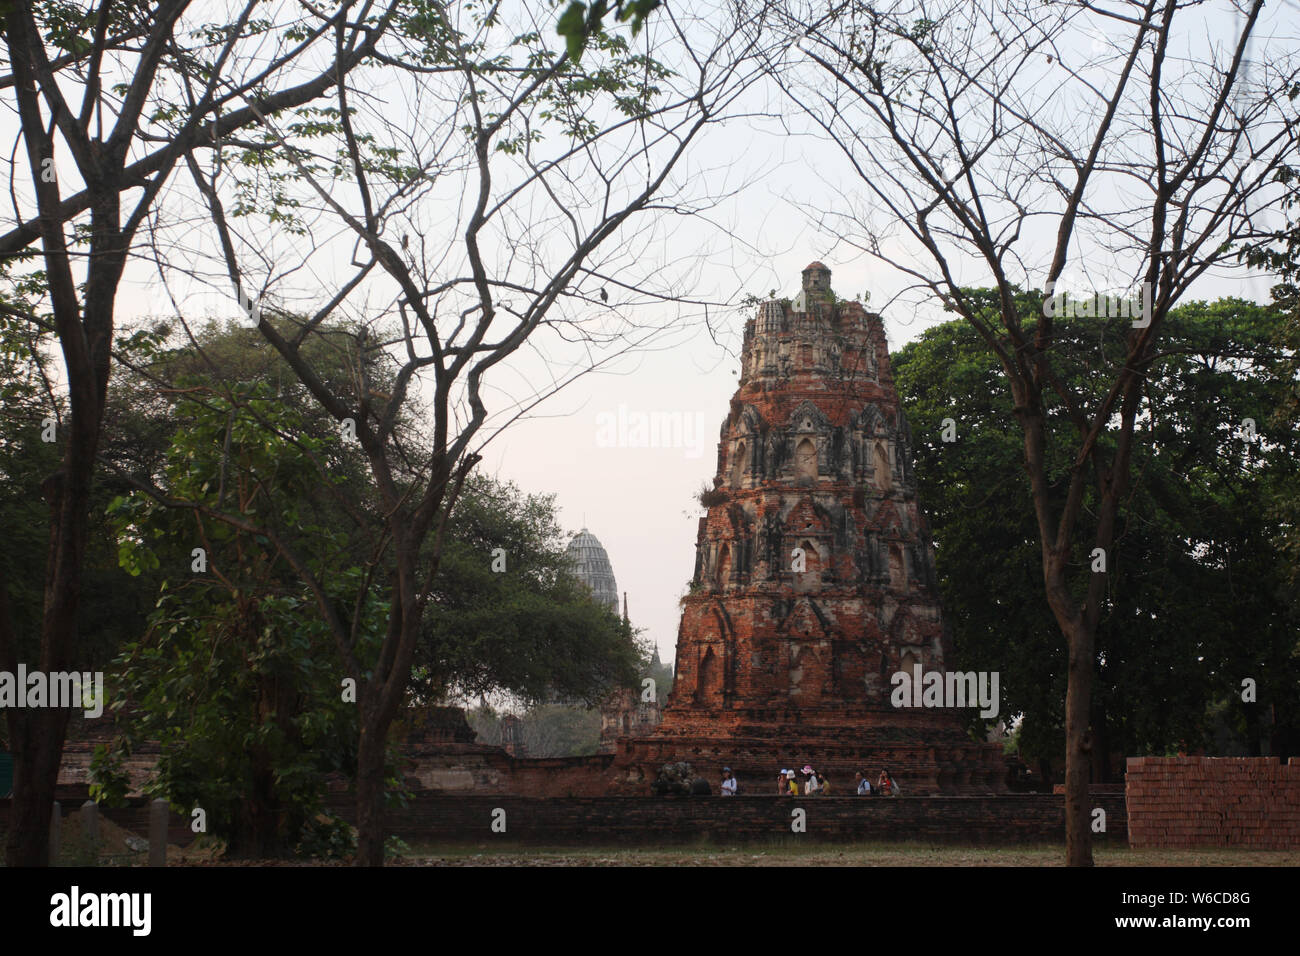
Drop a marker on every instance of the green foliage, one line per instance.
(30, 401)
(580, 23)
(327, 142)
(546, 730)
(663, 677)
(627, 79)
(395, 848)
(326, 837)
(25, 461)
(1284, 508)
(68, 27)
(1193, 602)
(238, 677)
(530, 630)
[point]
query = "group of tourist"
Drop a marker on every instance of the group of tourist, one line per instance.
(808, 782)
(886, 785)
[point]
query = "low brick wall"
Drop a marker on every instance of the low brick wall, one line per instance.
(993, 820)
(1213, 801)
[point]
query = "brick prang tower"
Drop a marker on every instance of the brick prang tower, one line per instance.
(814, 573)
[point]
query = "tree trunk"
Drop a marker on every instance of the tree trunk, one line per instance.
(259, 828)
(371, 752)
(38, 752)
(265, 828)
(385, 690)
(1078, 746)
(1253, 730)
(38, 735)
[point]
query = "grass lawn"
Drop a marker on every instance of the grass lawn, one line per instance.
(862, 854)
(119, 848)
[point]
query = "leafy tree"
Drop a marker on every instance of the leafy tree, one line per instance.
(109, 101)
(508, 616)
(1192, 603)
(548, 167)
(115, 605)
(545, 730)
(24, 461)
(237, 677)
(662, 673)
(232, 676)
(1278, 251)
(990, 148)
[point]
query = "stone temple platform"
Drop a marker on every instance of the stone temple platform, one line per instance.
(927, 757)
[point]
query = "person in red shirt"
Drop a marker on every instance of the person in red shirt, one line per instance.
(885, 784)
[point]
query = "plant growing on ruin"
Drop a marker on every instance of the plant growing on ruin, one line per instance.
(710, 497)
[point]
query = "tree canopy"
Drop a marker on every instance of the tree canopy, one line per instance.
(1195, 601)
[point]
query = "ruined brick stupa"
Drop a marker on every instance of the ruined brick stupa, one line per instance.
(814, 575)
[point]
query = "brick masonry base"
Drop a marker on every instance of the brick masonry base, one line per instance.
(1171, 802)
(1213, 802)
(647, 821)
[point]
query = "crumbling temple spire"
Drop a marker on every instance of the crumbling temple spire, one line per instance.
(814, 577)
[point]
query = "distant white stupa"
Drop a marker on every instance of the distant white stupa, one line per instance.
(591, 566)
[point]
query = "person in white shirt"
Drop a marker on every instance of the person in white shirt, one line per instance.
(728, 783)
(864, 785)
(811, 785)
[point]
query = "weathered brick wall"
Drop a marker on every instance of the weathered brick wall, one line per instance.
(1000, 820)
(648, 821)
(1213, 801)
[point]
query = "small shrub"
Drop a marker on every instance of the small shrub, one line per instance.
(395, 848)
(326, 837)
